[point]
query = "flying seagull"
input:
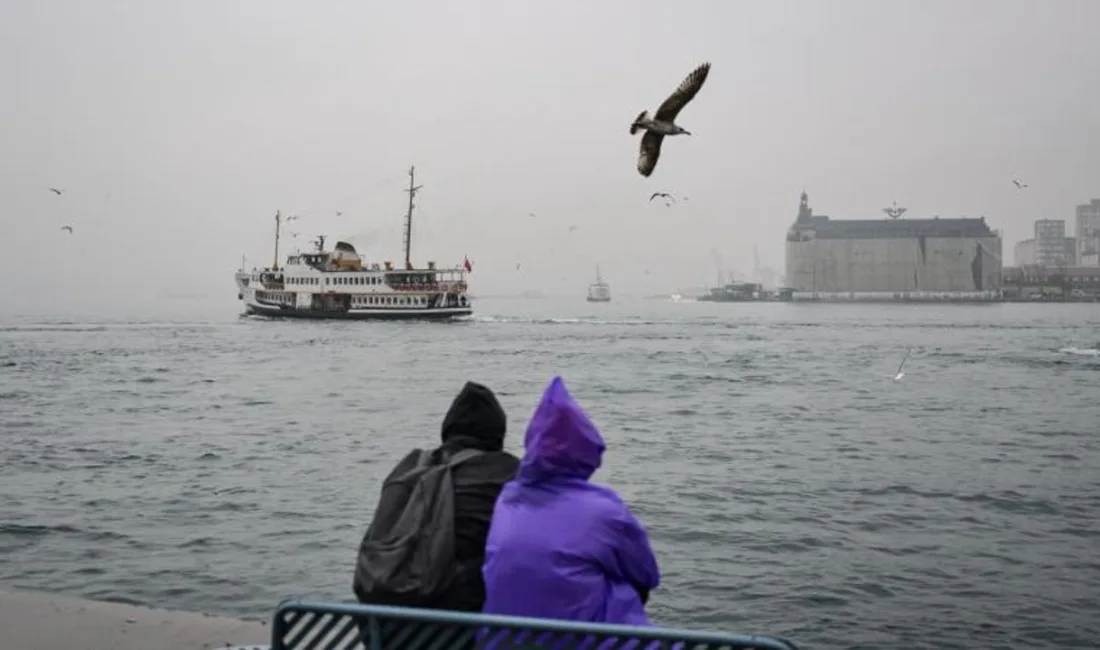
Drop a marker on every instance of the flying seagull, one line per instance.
(663, 121)
(1018, 184)
(56, 191)
(665, 195)
(69, 228)
(901, 367)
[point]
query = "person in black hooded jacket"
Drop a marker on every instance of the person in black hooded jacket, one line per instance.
(475, 420)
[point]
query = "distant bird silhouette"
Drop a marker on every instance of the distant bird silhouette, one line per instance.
(339, 213)
(664, 120)
(69, 228)
(572, 228)
(666, 195)
(56, 191)
(1019, 185)
(530, 214)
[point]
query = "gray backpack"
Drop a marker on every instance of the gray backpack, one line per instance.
(407, 556)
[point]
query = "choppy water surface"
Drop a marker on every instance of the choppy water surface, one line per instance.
(788, 484)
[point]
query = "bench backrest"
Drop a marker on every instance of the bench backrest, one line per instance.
(313, 625)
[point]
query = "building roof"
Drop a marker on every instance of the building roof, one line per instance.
(826, 228)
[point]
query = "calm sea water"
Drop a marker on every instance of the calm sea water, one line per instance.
(789, 485)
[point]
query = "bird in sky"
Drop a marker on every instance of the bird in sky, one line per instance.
(665, 195)
(56, 191)
(663, 121)
(1018, 184)
(69, 228)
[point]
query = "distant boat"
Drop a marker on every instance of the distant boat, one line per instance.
(599, 291)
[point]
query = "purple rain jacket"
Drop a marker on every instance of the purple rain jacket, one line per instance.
(559, 546)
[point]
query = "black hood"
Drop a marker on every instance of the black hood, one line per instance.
(475, 420)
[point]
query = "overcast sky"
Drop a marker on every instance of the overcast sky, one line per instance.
(177, 129)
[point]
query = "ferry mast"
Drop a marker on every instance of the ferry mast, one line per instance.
(413, 189)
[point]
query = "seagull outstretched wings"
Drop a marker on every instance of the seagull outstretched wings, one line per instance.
(56, 191)
(1018, 184)
(69, 228)
(650, 149)
(664, 195)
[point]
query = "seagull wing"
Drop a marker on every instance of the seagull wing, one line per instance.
(903, 360)
(654, 195)
(683, 94)
(650, 152)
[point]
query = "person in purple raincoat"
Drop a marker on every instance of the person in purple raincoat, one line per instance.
(560, 546)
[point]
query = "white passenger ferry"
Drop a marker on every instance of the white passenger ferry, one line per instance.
(340, 284)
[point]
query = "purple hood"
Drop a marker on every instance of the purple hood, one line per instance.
(560, 546)
(561, 441)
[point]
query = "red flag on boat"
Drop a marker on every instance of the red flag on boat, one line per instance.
(466, 264)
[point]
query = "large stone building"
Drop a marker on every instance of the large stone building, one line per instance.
(892, 259)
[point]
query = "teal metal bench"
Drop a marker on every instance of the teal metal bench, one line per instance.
(313, 625)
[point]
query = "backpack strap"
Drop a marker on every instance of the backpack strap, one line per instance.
(462, 456)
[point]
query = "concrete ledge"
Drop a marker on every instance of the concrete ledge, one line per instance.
(32, 620)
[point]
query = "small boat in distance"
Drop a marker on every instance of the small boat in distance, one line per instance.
(599, 291)
(339, 283)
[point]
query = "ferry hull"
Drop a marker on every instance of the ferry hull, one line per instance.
(441, 313)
